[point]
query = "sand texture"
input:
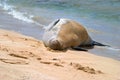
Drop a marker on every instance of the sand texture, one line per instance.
(25, 58)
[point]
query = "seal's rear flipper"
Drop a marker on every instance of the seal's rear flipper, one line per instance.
(99, 44)
(79, 49)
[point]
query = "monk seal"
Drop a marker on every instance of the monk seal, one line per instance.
(65, 33)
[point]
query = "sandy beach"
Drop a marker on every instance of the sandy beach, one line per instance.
(26, 58)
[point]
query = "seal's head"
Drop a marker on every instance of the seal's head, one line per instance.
(55, 44)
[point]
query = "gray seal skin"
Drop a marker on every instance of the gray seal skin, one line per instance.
(65, 33)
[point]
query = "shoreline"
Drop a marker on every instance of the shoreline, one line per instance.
(36, 31)
(8, 22)
(23, 57)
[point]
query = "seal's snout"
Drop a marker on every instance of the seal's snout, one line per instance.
(55, 44)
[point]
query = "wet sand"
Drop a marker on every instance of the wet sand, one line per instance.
(26, 58)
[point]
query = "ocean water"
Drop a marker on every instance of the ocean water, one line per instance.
(100, 17)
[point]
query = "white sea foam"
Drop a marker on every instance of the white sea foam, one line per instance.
(21, 16)
(16, 14)
(114, 49)
(109, 48)
(24, 16)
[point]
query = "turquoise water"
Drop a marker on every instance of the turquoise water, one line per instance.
(107, 10)
(100, 17)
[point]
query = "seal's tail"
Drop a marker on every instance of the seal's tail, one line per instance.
(99, 44)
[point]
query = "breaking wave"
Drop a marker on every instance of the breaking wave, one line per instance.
(12, 10)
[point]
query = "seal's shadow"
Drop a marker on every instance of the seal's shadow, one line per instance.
(82, 48)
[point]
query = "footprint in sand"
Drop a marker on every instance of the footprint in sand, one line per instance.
(58, 64)
(5, 49)
(53, 63)
(13, 61)
(39, 58)
(85, 68)
(27, 53)
(19, 56)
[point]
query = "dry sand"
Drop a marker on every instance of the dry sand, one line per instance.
(25, 58)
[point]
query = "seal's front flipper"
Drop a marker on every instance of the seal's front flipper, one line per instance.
(79, 49)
